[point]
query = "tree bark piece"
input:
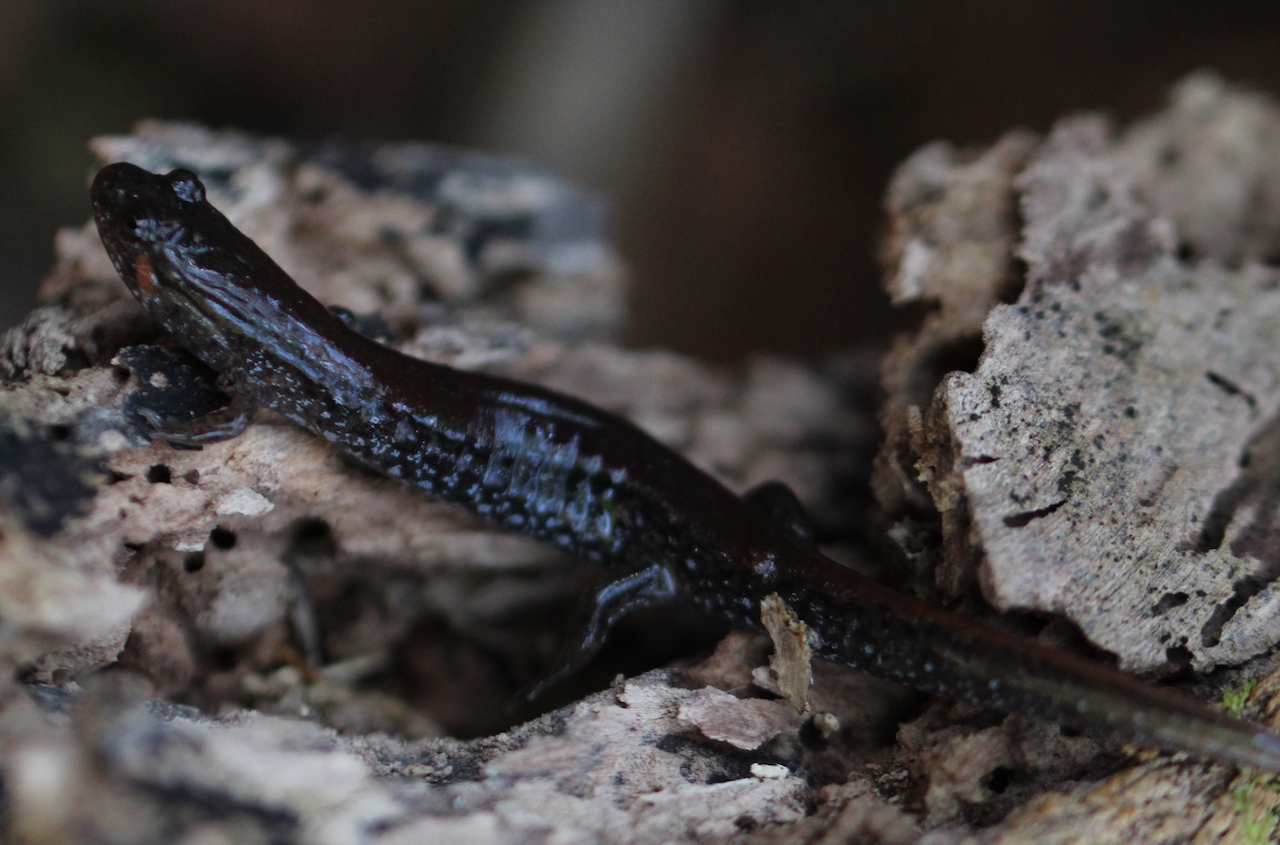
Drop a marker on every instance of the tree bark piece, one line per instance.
(1108, 459)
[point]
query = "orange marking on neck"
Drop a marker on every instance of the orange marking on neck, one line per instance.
(144, 275)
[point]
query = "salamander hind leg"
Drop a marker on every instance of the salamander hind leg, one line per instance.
(779, 504)
(599, 611)
(373, 326)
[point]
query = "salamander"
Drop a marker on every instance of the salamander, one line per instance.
(585, 480)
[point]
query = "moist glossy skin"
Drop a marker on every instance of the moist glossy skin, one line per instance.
(590, 482)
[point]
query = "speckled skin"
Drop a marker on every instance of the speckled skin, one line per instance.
(591, 483)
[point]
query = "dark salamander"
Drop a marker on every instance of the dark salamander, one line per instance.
(589, 482)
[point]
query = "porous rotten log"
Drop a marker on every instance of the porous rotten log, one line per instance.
(1078, 443)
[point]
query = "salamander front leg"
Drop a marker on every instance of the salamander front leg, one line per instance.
(600, 611)
(779, 504)
(222, 424)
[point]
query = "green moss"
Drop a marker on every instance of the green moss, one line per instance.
(1257, 830)
(1233, 700)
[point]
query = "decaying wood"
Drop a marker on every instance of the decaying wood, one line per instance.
(1109, 458)
(142, 575)
(1084, 428)
(1104, 451)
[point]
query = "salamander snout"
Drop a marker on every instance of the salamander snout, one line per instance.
(117, 183)
(124, 190)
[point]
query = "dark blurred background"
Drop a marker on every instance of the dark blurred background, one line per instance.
(745, 144)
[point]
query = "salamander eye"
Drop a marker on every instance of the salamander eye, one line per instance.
(186, 185)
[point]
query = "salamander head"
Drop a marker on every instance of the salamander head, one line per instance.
(206, 282)
(142, 215)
